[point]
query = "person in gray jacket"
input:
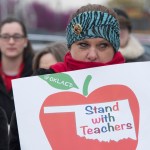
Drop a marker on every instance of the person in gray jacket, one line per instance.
(130, 47)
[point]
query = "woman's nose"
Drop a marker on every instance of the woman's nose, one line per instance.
(92, 55)
(11, 40)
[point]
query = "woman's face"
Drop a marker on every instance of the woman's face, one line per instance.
(124, 36)
(12, 40)
(92, 50)
(47, 60)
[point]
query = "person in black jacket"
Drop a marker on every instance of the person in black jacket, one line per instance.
(93, 41)
(15, 59)
(3, 130)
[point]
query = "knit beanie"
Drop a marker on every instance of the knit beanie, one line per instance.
(93, 24)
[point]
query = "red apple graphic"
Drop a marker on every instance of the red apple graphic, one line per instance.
(60, 128)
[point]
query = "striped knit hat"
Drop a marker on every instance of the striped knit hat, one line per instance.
(93, 24)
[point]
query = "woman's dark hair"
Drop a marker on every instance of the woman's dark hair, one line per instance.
(57, 49)
(28, 51)
(123, 18)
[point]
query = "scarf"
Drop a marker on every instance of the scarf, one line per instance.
(71, 64)
(8, 78)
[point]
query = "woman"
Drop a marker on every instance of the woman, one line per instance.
(52, 54)
(15, 59)
(93, 41)
(92, 38)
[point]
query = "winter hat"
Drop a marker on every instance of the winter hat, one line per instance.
(93, 24)
(124, 19)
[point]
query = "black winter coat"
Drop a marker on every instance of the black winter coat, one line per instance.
(6, 99)
(3, 130)
(14, 142)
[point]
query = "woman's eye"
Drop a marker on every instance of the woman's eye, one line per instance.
(103, 45)
(83, 45)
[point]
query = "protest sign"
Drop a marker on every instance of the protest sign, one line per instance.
(103, 107)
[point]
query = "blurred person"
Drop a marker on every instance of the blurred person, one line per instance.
(50, 55)
(88, 39)
(130, 47)
(15, 59)
(3, 130)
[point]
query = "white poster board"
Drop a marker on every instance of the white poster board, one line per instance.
(105, 107)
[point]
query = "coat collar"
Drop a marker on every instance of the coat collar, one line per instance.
(133, 50)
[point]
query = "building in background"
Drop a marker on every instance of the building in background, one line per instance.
(43, 16)
(139, 12)
(51, 16)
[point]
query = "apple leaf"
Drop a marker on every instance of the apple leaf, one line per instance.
(59, 80)
(86, 85)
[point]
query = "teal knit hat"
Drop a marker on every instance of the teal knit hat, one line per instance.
(94, 24)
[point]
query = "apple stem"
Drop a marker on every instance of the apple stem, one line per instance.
(86, 85)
